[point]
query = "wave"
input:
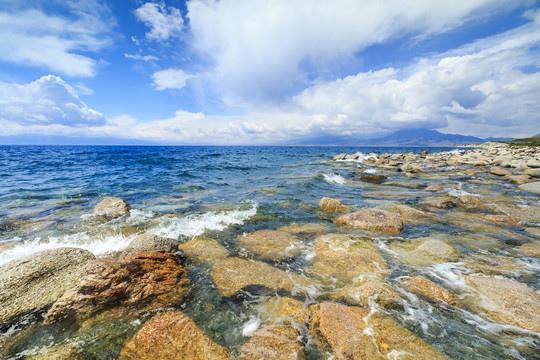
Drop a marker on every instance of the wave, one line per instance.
(334, 178)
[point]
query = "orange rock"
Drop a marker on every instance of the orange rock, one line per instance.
(373, 219)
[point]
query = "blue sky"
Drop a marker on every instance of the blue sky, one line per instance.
(260, 72)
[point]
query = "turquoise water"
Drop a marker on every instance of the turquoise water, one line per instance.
(48, 192)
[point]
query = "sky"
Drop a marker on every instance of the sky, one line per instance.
(265, 71)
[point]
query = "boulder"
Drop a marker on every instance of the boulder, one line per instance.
(519, 179)
(38, 280)
(532, 172)
(495, 170)
(493, 264)
(344, 258)
(273, 342)
(284, 310)
(306, 229)
(371, 290)
(112, 207)
(151, 242)
(533, 187)
(469, 202)
(502, 219)
(146, 278)
(342, 156)
(429, 290)
(376, 179)
(434, 187)
(332, 205)
(353, 333)
(203, 251)
(172, 335)
(530, 249)
(372, 219)
(408, 212)
(271, 245)
(423, 252)
(233, 275)
(437, 248)
(507, 301)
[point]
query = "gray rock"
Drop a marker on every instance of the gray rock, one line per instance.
(533, 187)
(150, 242)
(113, 207)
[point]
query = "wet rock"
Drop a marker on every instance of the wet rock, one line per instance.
(444, 202)
(59, 352)
(469, 202)
(203, 251)
(172, 335)
(332, 205)
(146, 278)
(508, 301)
(372, 219)
(495, 170)
(271, 245)
(434, 187)
(502, 219)
(232, 275)
(438, 248)
(408, 212)
(38, 280)
(284, 310)
(533, 187)
(424, 252)
(376, 179)
(306, 229)
(352, 157)
(353, 333)
(273, 342)
(493, 264)
(530, 213)
(151, 242)
(371, 290)
(532, 172)
(112, 207)
(530, 249)
(344, 258)
(519, 179)
(427, 289)
(342, 156)
(533, 231)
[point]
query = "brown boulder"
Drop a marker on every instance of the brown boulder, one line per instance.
(332, 205)
(376, 179)
(284, 310)
(172, 335)
(149, 278)
(113, 207)
(372, 219)
(411, 213)
(495, 170)
(469, 202)
(273, 342)
(271, 245)
(203, 251)
(306, 229)
(341, 156)
(151, 242)
(371, 290)
(353, 333)
(427, 289)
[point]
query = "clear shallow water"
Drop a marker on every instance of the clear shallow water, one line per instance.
(47, 194)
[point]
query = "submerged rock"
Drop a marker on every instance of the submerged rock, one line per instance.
(376, 179)
(469, 202)
(271, 245)
(332, 205)
(372, 219)
(424, 252)
(284, 310)
(38, 280)
(203, 251)
(59, 352)
(306, 229)
(530, 249)
(273, 342)
(427, 289)
(371, 290)
(411, 213)
(146, 278)
(353, 333)
(507, 301)
(113, 207)
(232, 275)
(151, 242)
(172, 335)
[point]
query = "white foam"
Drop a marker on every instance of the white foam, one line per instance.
(334, 178)
(196, 224)
(371, 171)
(251, 326)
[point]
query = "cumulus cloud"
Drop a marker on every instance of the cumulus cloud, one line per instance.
(46, 101)
(170, 79)
(58, 43)
(164, 22)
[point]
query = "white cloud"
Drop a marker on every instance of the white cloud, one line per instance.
(57, 43)
(164, 22)
(144, 58)
(46, 101)
(170, 79)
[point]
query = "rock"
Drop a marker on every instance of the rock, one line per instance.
(495, 170)
(152, 242)
(530, 249)
(410, 213)
(423, 252)
(434, 187)
(284, 310)
(342, 156)
(59, 352)
(502, 219)
(203, 251)
(469, 202)
(519, 179)
(344, 258)
(533, 231)
(427, 289)
(533, 187)
(145, 278)
(493, 264)
(533, 164)
(444, 202)
(352, 157)
(353, 333)
(273, 342)
(37, 280)
(530, 213)
(508, 301)
(371, 290)
(172, 335)
(532, 172)
(232, 275)
(437, 248)
(306, 229)
(332, 205)
(376, 179)
(372, 219)
(113, 207)
(271, 245)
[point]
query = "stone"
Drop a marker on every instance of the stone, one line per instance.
(353, 333)
(273, 342)
(444, 202)
(533, 231)
(36, 281)
(146, 278)
(429, 290)
(58, 352)
(532, 172)
(342, 156)
(434, 187)
(376, 179)
(309, 229)
(519, 179)
(507, 301)
(203, 251)
(371, 290)
(234, 275)
(469, 202)
(533, 164)
(533, 187)
(437, 248)
(408, 212)
(172, 335)
(151, 242)
(284, 310)
(112, 207)
(423, 252)
(352, 157)
(530, 249)
(372, 219)
(271, 245)
(343, 258)
(332, 205)
(495, 170)
(502, 219)
(530, 213)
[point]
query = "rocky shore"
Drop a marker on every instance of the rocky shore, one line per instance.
(361, 269)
